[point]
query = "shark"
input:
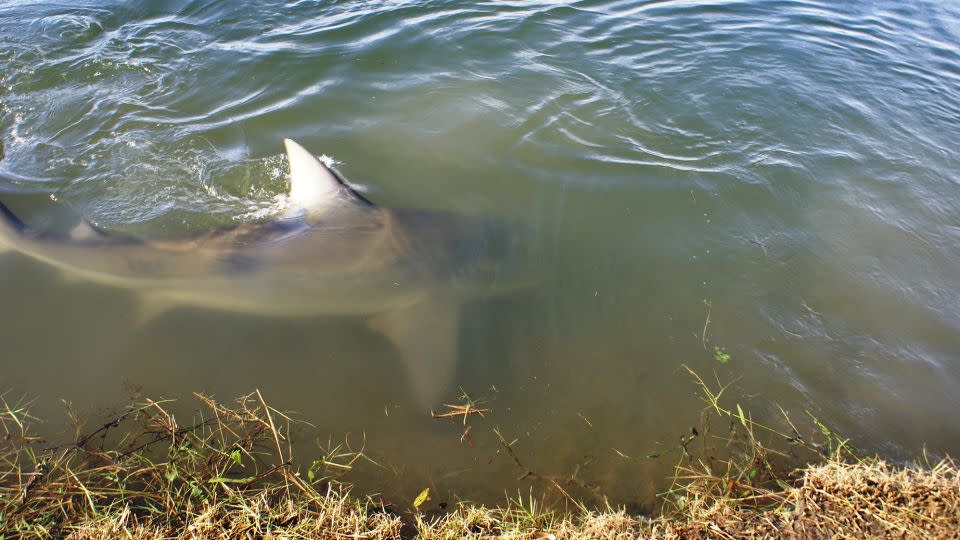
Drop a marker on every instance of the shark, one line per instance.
(409, 272)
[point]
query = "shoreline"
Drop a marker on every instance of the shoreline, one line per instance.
(230, 473)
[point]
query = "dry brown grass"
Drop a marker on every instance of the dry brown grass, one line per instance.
(869, 499)
(229, 473)
(337, 516)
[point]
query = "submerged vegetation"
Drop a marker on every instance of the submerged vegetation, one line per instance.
(229, 473)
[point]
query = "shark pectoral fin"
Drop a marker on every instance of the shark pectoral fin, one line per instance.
(152, 307)
(427, 337)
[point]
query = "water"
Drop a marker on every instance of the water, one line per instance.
(793, 164)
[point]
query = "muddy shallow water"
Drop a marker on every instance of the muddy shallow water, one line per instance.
(789, 168)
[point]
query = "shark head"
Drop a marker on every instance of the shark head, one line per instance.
(470, 253)
(474, 254)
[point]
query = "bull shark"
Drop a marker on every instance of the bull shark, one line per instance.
(409, 271)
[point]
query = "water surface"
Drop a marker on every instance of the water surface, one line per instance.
(791, 163)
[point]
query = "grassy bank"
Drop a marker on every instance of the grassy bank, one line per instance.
(229, 473)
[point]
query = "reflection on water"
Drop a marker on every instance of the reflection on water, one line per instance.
(791, 162)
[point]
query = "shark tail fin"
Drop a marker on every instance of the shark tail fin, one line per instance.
(10, 227)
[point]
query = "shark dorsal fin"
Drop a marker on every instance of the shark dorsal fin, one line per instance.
(85, 231)
(314, 187)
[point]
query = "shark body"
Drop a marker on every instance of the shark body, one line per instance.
(408, 270)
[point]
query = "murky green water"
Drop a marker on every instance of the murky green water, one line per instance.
(794, 164)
